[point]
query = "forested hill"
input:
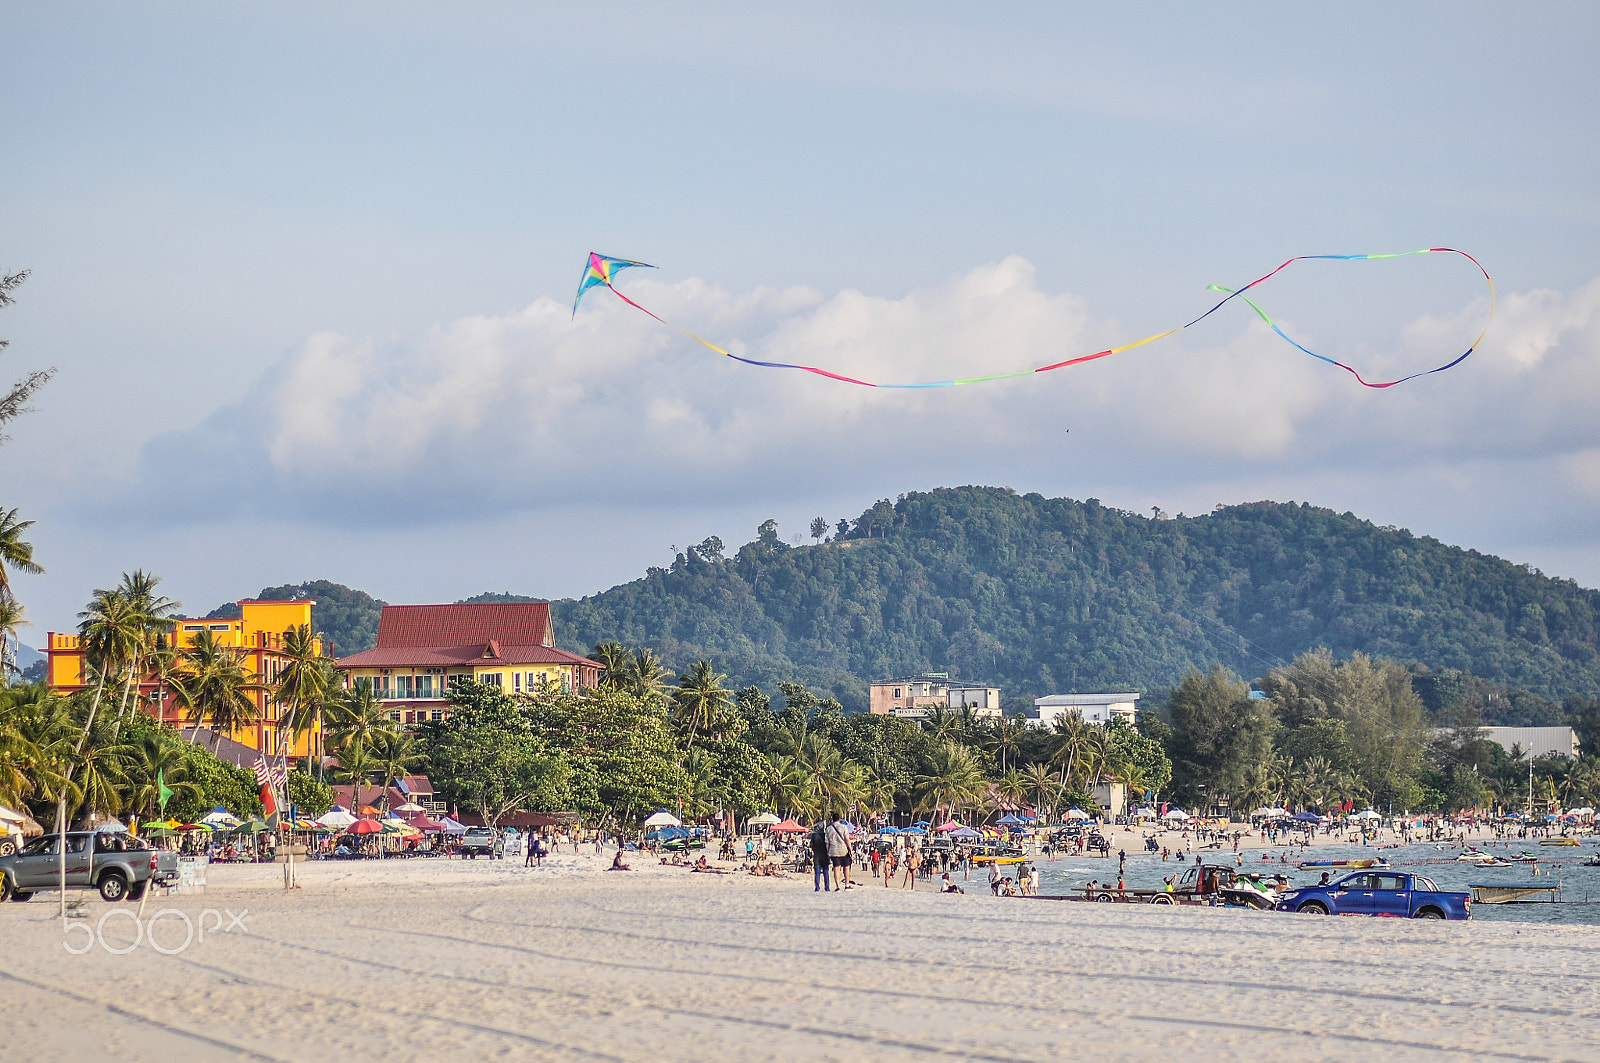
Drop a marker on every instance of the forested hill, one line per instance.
(1042, 595)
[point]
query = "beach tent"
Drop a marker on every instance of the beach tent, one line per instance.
(947, 827)
(220, 817)
(336, 818)
(765, 819)
(788, 826)
(1367, 814)
(1176, 814)
(423, 823)
(1008, 820)
(662, 818)
(1077, 814)
(965, 832)
(1307, 817)
(452, 827)
(1144, 813)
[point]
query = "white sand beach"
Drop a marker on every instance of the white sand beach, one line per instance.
(446, 960)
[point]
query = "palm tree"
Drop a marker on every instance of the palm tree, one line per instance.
(109, 632)
(952, 780)
(941, 724)
(304, 684)
(355, 766)
(98, 776)
(1006, 737)
(788, 784)
(701, 699)
(357, 714)
(153, 760)
(1011, 790)
(613, 661)
(1042, 787)
(14, 552)
(150, 612)
(701, 793)
(394, 754)
(645, 676)
(1067, 738)
(219, 688)
(11, 612)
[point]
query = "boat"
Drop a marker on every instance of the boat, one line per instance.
(1593, 861)
(1523, 857)
(1559, 841)
(1306, 865)
(1478, 856)
(1507, 893)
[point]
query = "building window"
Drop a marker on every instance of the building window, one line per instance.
(395, 716)
(897, 692)
(494, 679)
(194, 627)
(566, 682)
(424, 686)
(219, 627)
(516, 682)
(438, 714)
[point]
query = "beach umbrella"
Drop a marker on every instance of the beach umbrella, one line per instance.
(336, 818)
(409, 806)
(1077, 814)
(765, 819)
(922, 823)
(662, 818)
(220, 817)
(788, 826)
(110, 826)
(206, 827)
(1176, 814)
(965, 832)
(365, 826)
(1367, 814)
(256, 825)
(1584, 811)
(913, 830)
(888, 830)
(946, 828)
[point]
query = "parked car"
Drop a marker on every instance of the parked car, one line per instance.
(481, 840)
(1381, 893)
(118, 865)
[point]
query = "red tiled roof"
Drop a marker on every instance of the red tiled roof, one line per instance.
(510, 624)
(447, 656)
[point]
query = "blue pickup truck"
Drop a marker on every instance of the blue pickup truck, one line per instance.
(1385, 893)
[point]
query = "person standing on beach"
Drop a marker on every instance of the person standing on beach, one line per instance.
(1122, 861)
(913, 865)
(839, 853)
(820, 865)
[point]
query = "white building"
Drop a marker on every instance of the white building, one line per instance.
(1540, 741)
(984, 700)
(1090, 708)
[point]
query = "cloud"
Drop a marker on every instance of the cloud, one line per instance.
(535, 409)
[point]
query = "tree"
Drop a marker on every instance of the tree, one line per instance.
(700, 699)
(613, 663)
(819, 528)
(305, 684)
(646, 678)
(951, 781)
(16, 554)
(219, 690)
(15, 401)
(357, 715)
(487, 757)
(395, 754)
(1218, 733)
(11, 618)
(153, 760)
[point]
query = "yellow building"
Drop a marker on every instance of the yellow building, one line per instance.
(257, 637)
(423, 650)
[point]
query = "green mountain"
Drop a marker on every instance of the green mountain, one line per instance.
(1042, 595)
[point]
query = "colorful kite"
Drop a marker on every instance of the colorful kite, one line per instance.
(601, 269)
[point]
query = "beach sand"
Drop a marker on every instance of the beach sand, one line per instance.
(446, 960)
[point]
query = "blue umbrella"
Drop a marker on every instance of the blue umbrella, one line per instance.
(1008, 821)
(888, 830)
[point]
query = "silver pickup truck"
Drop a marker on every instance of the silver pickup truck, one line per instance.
(118, 865)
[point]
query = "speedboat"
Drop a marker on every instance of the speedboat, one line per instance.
(1476, 856)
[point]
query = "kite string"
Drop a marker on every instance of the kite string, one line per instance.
(1230, 294)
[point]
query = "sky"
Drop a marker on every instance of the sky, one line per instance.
(305, 272)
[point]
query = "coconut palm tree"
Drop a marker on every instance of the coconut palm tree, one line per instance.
(219, 688)
(700, 699)
(1043, 787)
(150, 612)
(15, 554)
(1005, 737)
(1067, 738)
(394, 754)
(98, 775)
(613, 661)
(1011, 790)
(11, 618)
(941, 724)
(110, 630)
(357, 714)
(303, 685)
(645, 678)
(150, 761)
(701, 793)
(951, 781)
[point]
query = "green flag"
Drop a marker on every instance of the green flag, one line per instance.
(163, 791)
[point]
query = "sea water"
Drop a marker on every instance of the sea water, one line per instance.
(1578, 901)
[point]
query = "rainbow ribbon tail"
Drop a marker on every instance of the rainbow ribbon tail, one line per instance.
(601, 269)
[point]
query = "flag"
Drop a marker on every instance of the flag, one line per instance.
(266, 776)
(163, 791)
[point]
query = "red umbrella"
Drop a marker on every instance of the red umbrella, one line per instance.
(423, 823)
(788, 826)
(365, 826)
